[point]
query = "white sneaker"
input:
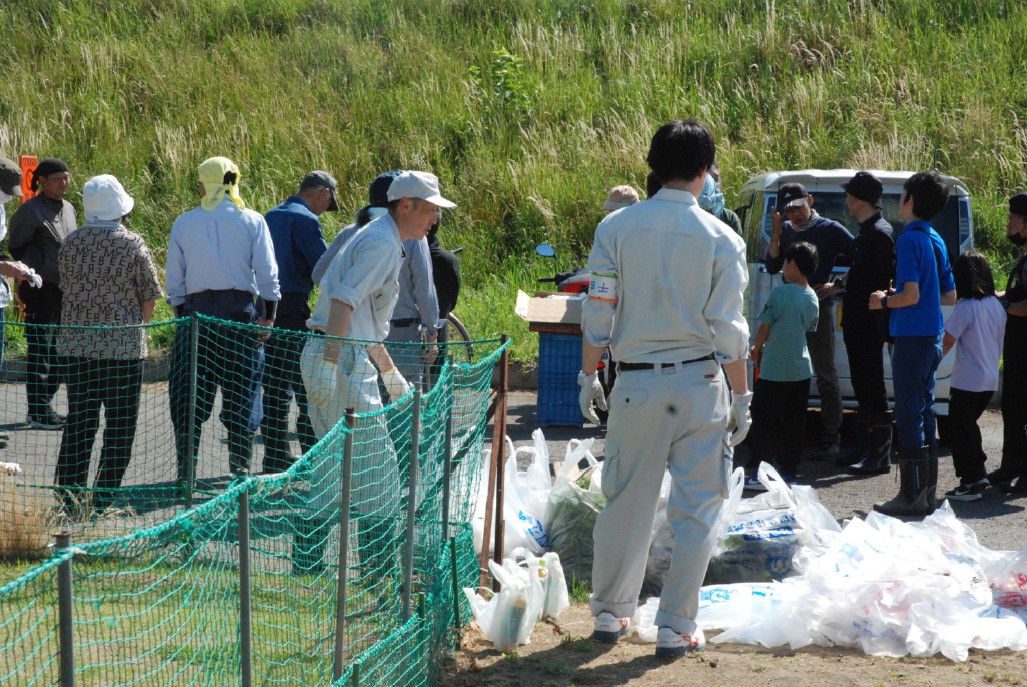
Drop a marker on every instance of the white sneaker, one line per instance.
(609, 628)
(670, 644)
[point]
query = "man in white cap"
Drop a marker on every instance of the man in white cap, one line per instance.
(357, 295)
(116, 286)
(220, 257)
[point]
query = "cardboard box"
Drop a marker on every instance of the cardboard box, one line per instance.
(549, 310)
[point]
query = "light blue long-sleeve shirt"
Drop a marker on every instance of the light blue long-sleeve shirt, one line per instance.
(417, 297)
(227, 248)
(326, 259)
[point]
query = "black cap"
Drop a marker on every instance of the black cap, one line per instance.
(866, 187)
(10, 177)
(321, 179)
(378, 192)
(1018, 204)
(789, 195)
(46, 167)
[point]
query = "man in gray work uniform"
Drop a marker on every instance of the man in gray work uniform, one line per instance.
(666, 297)
(416, 317)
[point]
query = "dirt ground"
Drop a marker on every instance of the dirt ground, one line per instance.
(564, 656)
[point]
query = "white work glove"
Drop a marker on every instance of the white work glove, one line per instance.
(395, 384)
(739, 421)
(591, 390)
(34, 279)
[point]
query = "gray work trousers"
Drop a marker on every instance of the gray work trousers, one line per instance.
(821, 353)
(676, 419)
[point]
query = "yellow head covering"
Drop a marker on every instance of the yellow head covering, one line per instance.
(212, 176)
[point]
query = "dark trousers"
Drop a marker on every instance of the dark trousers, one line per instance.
(968, 457)
(778, 423)
(226, 359)
(864, 345)
(914, 361)
(92, 383)
(1014, 406)
(282, 378)
(42, 307)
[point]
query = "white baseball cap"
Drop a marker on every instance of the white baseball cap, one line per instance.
(105, 199)
(423, 185)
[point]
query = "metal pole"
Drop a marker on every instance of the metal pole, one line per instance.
(345, 497)
(415, 449)
(447, 467)
(494, 499)
(65, 613)
(457, 622)
(190, 459)
(245, 587)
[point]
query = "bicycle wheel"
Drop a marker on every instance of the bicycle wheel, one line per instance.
(459, 344)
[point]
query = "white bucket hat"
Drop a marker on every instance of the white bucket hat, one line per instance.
(105, 199)
(423, 185)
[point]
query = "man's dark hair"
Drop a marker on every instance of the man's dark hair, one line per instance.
(929, 193)
(973, 276)
(681, 150)
(804, 255)
(652, 184)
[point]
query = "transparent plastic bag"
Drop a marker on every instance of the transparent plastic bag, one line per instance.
(574, 502)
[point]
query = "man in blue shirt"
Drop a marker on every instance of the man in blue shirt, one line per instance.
(924, 283)
(219, 258)
(299, 244)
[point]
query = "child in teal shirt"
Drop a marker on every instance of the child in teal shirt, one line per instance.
(781, 392)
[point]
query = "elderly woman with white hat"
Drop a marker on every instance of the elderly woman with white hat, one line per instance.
(112, 284)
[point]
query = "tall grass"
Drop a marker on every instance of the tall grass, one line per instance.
(528, 110)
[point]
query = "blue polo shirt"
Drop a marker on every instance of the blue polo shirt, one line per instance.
(920, 252)
(299, 243)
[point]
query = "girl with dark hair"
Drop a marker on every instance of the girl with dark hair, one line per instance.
(976, 329)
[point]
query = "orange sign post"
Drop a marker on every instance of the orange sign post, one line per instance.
(28, 165)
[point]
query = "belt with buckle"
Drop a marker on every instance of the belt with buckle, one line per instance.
(628, 367)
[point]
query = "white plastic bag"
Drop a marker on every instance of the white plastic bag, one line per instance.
(574, 502)
(509, 615)
(526, 496)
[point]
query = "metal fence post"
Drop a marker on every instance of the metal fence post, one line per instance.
(345, 497)
(415, 449)
(65, 613)
(190, 464)
(494, 498)
(447, 467)
(245, 588)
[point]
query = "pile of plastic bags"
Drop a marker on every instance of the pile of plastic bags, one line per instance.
(529, 591)
(887, 587)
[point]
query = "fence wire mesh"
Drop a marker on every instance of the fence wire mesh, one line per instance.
(159, 588)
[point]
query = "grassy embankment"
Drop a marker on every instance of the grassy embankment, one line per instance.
(527, 110)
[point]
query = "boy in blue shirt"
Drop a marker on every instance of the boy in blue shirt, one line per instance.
(782, 390)
(924, 282)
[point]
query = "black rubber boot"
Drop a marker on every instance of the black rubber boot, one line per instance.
(932, 477)
(861, 439)
(308, 546)
(877, 459)
(914, 485)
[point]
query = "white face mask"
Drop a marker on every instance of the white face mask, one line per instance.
(4, 197)
(3, 222)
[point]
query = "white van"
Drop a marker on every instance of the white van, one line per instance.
(757, 199)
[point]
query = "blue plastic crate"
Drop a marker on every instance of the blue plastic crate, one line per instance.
(559, 361)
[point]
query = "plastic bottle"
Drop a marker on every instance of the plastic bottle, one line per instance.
(518, 608)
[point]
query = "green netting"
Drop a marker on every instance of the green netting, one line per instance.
(158, 585)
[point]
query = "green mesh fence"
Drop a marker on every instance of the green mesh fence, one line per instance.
(164, 570)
